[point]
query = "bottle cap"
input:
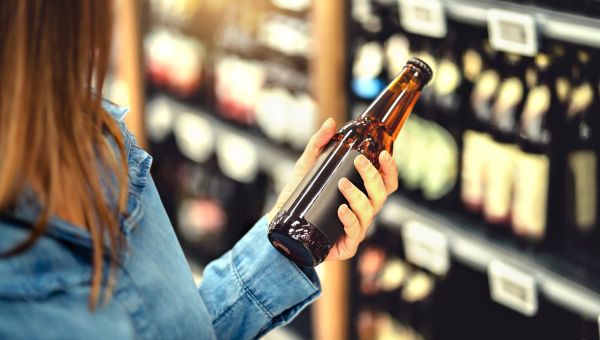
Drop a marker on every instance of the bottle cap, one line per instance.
(422, 67)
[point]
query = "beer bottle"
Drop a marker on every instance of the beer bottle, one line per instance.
(307, 226)
(499, 169)
(535, 178)
(476, 139)
(582, 143)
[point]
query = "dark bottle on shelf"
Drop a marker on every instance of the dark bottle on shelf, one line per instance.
(499, 169)
(307, 226)
(440, 185)
(582, 154)
(476, 139)
(411, 147)
(536, 178)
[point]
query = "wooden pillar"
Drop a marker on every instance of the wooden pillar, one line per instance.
(129, 63)
(331, 311)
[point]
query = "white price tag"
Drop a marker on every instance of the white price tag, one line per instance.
(425, 247)
(512, 32)
(424, 17)
(513, 288)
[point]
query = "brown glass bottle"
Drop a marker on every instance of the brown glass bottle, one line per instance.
(307, 226)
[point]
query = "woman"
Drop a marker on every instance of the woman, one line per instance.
(87, 249)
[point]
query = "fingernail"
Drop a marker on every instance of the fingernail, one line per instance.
(345, 183)
(386, 155)
(345, 209)
(327, 122)
(362, 162)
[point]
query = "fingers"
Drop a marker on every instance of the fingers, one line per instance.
(347, 246)
(389, 172)
(359, 203)
(358, 216)
(373, 181)
(315, 145)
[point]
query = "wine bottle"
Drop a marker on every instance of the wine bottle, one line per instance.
(307, 226)
(440, 183)
(476, 139)
(533, 176)
(499, 167)
(582, 168)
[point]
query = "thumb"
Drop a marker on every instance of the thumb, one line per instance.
(316, 144)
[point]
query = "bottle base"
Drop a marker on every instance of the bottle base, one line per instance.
(298, 240)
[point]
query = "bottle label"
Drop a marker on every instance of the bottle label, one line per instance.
(498, 181)
(272, 109)
(408, 152)
(397, 52)
(441, 170)
(531, 77)
(448, 78)
(583, 168)
(536, 105)
(317, 197)
(472, 65)
(475, 151)
(563, 86)
(368, 62)
(581, 98)
(530, 195)
(485, 88)
(509, 95)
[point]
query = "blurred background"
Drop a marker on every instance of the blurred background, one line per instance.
(494, 232)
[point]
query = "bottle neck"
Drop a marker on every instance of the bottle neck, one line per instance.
(394, 104)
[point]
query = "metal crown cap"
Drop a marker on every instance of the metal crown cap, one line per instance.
(423, 67)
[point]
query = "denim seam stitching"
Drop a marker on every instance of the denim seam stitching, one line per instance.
(305, 277)
(302, 274)
(225, 312)
(248, 291)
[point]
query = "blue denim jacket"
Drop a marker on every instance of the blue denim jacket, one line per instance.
(44, 291)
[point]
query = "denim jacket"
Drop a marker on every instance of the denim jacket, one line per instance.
(44, 291)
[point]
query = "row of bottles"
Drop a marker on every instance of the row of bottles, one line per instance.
(245, 63)
(393, 299)
(529, 157)
(225, 79)
(214, 69)
(211, 181)
(506, 139)
(500, 145)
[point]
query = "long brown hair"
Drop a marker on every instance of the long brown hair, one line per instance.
(53, 130)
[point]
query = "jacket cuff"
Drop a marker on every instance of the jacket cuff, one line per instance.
(278, 287)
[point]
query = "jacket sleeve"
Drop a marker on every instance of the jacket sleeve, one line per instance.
(253, 288)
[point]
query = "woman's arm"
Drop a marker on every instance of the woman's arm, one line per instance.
(253, 288)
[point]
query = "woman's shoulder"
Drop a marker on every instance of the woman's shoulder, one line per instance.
(138, 160)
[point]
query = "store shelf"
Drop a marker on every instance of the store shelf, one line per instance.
(562, 282)
(567, 27)
(269, 152)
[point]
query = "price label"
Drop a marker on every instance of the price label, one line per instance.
(426, 247)
(512, 32)
(424, 17)
(513, 288)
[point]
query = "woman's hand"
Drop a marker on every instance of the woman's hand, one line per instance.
(358, 216)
